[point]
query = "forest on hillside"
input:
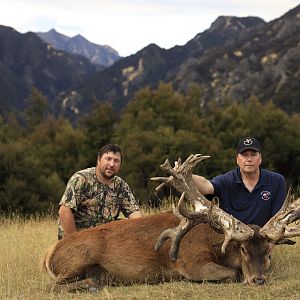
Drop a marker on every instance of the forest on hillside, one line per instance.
(39, 151)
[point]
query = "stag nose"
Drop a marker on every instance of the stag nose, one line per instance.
(259, 280)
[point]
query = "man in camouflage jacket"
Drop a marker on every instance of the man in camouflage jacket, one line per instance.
(96, 195)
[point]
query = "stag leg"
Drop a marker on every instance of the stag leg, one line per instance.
(92, 280)
(88, 284)
(198, 262)
(209, 271)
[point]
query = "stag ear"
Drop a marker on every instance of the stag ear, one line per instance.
(285, 242)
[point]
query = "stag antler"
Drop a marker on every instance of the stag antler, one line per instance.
(176, 234)
(205, 211)
(277, 228)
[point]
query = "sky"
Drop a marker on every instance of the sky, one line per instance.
(130, 25)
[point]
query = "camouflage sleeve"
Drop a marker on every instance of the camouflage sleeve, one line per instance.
(71, 197)
(128, 203)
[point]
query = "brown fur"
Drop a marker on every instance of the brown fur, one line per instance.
(124, 252)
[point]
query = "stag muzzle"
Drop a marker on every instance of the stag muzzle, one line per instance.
(255, 280)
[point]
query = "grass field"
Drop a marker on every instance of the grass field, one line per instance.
(24, 241)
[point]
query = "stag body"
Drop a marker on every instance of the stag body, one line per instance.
(124, 252)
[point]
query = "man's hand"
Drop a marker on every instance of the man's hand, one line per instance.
(135, 215)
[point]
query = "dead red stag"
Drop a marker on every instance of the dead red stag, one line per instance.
(203, 244)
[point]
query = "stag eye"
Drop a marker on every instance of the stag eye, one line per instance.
(243, 249)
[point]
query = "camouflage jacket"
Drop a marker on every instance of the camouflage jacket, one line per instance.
(93, 202)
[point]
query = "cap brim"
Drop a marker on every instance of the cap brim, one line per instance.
(248, 148)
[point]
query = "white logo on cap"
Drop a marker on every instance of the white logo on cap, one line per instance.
(248, 142)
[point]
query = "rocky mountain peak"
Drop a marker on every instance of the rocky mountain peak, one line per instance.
(234, 23)
(79, 45)
(79, 38)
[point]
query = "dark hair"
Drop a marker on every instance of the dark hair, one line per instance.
(110, 148)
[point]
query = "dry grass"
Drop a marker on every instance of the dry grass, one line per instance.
(23, 242)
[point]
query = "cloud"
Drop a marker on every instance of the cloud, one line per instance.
(130, 25)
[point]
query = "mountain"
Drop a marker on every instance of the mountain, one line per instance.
(26, 61)
(118, 82)
(264, 62)
(97, 54)
(153, 64)
(234, 59)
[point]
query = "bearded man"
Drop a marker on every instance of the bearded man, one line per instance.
(97, 195)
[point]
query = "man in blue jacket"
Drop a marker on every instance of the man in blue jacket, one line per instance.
(249, 193)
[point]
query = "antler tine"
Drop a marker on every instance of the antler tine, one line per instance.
(271, 224)
(232, 228)
(166, 180)
(286, 202)
(186, 167)
(292, 232)
(175, 234)
(192, 161)
(277, 227)
(197, 216)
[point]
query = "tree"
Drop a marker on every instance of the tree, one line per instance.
(35, 166)
(156, 125)
(26, 187)
(98, 128)
(59, 146)
(37, 108)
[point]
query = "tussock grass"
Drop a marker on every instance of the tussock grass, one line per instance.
(23, 241)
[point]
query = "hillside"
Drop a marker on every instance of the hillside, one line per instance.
(26, 61)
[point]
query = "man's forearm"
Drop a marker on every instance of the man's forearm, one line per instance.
(203, 185)
(67, 220)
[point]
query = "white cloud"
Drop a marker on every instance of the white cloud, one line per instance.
(129, 25)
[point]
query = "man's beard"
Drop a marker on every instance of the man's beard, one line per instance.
(107, 176)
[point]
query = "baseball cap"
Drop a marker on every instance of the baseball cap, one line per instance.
(248, 143)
